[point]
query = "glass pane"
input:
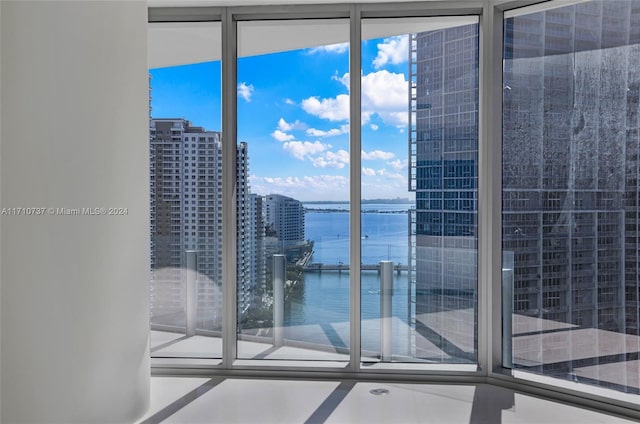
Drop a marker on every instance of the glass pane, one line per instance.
(293, 221)
(570, 192)
(186, 196)
(419, 203)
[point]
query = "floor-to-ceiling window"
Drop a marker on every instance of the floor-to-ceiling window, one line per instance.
(185, 189)
(293, 190)
(419, 118)
(570, 191)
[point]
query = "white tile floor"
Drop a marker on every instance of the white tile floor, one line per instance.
(226, 400)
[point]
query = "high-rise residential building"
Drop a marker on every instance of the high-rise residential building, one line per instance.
(444, 175)
(571, 166)
(284, 219)
(186, 214)
(248, 233)
(256, 210)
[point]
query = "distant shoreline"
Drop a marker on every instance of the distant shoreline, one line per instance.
(325, 210)
(396, 201)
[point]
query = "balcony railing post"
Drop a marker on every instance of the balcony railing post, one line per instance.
(507, 317)
(386, 293)
(278, 299)
(191, 301)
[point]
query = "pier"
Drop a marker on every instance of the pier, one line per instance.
(319, 267)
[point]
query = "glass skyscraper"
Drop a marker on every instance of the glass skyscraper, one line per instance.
(444, 176)
(570, 183)
(570, 174)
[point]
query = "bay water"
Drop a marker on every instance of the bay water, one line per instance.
(324, 297)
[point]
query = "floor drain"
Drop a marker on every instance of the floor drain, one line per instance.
(379, 392)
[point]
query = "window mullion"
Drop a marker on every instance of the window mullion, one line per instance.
(229, 215)
(490, 192)
(355, 65)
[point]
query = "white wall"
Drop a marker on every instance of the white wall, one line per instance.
(74, 308)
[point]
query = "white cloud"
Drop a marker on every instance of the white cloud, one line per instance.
(327, 187)
(331, 160)
(326, 181)
(289, 102)
(398, 164)
(245, 91)
(281, 135)
(390, 175)
(319, 133)
(393, 50)
(374, 127)
(302, 149)
(383, 93)
(283, 182)
(377, 154)
(331, 48)
(286, 126)
(344, 129)
(386, 94)
(335, 109)
(369, 172)
(382, 183)
(344, 80)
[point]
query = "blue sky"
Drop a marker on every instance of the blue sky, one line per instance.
(293, 113)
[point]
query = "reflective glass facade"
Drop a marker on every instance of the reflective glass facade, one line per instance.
(444, 144)
(570, 190)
